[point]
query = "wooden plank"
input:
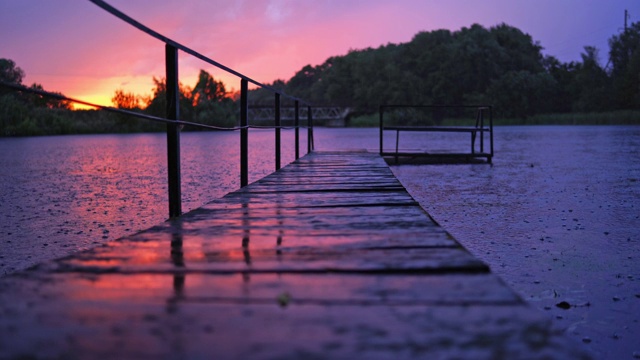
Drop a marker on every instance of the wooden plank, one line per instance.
(321, 187)
(277, 238)
(361, 174)
(372, 289)
(328, 258)
(235, 317)
(312, 199)
(138, 258)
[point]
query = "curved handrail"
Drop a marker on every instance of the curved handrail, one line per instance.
(111, 109)
(172, 119)
(136, 114)
(129, 20)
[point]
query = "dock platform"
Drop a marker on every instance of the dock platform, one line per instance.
(328, 258)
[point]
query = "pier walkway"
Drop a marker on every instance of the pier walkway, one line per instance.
(329, 257)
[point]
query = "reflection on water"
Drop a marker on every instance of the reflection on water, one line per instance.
(246, 234)
(61, 194)
(556, 215)
(177, 259)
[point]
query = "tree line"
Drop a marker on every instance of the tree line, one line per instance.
(22, 113)
(500, 65)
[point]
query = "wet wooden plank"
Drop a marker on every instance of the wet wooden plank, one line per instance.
(328, 258)
(277, 238)
(139, 258)
(336, 219)
(345, 173)
(312, 199)
(265, 317)
(263, 288)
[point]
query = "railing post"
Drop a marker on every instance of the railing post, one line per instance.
(482, 131)
(382, 131)
(309, 130)
(173, 131)
(297, 125)
(491, 129)
(244, 133)
(277, 131)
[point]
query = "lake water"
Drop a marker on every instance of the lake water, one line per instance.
(557, 216)
(61, 194)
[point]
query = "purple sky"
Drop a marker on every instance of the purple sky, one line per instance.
(74, 47)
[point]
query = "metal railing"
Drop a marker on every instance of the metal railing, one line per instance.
(172, 119)
(429, 118)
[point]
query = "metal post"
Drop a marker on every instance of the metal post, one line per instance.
(297, 125)
(173, 131)
(482, 129)
(381, 131)
(491, 130)
(309, 130)
(277, 131)
(244, 133)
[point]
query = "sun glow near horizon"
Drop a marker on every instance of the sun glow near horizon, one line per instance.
(100, 91)
(266, 41)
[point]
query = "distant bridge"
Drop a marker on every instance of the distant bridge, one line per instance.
(328, 116)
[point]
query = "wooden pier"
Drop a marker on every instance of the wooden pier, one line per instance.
(329, 257)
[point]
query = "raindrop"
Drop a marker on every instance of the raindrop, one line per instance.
(563, 305)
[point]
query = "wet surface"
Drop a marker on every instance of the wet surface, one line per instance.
(557, 217)
(62, 194)
(266, 273)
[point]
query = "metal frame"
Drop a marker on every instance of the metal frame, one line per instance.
(479, 128)
(172, 119)
(173, 110)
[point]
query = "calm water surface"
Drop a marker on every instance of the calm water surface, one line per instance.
(557, 216)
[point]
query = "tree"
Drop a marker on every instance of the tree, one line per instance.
(623, 47)
(212, 104)
(591, 84)
(518, 94)
(518, 51)
(624, 55)
(564, 75)
(207, 89)
(23, 113)
(263, 96)
(302, 83)
(128, 100)
(10, 73)
(157, 104)
(46, 101)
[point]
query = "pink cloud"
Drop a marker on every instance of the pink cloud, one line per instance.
(72, 46)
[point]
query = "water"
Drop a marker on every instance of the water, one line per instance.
(62, 194)
(556, 216)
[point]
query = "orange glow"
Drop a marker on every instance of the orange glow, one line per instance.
(100, 91)
(98, 99)
(266, 41)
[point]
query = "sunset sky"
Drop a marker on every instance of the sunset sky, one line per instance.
(74, 47)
